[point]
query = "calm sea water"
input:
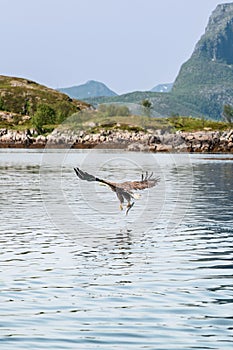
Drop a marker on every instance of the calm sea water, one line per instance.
(76, 273)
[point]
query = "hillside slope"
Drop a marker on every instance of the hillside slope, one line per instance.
(163, 104)
(22, 96)
(206, 79)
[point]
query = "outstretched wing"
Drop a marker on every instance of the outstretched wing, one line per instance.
(147, 181)
(83, 175)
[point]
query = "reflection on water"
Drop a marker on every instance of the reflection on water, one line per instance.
(160, 278)
(214, 191)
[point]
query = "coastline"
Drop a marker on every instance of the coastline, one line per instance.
(151, 141)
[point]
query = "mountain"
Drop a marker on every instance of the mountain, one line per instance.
(90, 89)
(206, 79)
(163, 104)
(22, 96)
(162, 88)
(202, 88)
(205, 82)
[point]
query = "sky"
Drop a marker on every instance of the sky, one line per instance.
(127, 44)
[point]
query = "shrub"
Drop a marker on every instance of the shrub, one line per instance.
(112, 110)
(1, 105)
(147, 106)
(228, 113)
(44, 115)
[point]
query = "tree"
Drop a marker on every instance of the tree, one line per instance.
(1, 105)
(44, 115)
(27, 107)
(228, 113)
(147, 106)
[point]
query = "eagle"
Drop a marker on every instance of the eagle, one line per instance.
(123, 190)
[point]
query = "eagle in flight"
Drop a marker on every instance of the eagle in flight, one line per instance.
(123, 190)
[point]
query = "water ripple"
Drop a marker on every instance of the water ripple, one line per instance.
(166, 287)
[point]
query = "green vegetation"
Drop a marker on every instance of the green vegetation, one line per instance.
(200, 90)
(25, 104)
(210, 83)
(196, 124)
(22, 97)
(94, 121)
(107, 117)
(44, 115)
(111, 110)
(2, 107)
(147, 107)
(163, 104)
(228, 114)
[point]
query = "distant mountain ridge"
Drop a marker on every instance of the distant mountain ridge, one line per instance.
(90, 89)
(162, 88)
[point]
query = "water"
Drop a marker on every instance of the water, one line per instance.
(76, 273)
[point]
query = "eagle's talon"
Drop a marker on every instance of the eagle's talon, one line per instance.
(129, 206)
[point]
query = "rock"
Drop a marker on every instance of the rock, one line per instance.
(102, 138)
(51, 139)
(86, 138)
(203, 137)
(41, 139)
(133, 141)
(229, 134)
(182, 147)
(136, 146)
(96, 137)
(3, 131)
(90, 124)
(190, 137)
(164, 148)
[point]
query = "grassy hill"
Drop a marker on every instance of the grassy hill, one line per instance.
(97, 120)
(21, 97)
(163, 104)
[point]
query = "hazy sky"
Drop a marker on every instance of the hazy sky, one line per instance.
(127, 44)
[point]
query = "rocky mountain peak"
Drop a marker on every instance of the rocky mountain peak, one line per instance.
(217, 42)
(220, 16)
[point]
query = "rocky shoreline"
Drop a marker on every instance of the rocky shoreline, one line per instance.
(151, 141)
